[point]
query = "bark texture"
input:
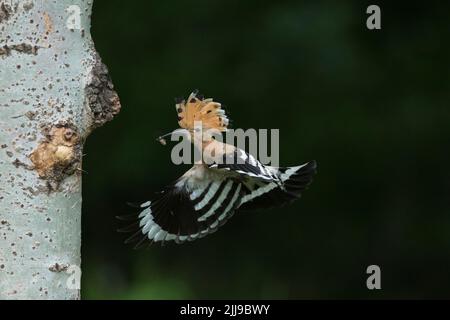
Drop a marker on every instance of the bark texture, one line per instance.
(54, 90)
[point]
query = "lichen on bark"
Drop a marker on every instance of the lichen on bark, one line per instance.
(101, 98)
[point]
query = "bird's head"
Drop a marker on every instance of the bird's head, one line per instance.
(200, 119)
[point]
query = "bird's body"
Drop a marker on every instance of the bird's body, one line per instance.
(208, 194)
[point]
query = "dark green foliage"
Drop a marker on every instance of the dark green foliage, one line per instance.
(372, 107)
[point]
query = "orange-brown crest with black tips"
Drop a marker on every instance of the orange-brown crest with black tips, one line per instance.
(207, 111)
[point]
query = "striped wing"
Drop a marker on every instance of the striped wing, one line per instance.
(188, 210)
(204, 199)
(294, 180)
(247, 165)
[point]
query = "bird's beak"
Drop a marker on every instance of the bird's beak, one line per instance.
(162, 139)
(164, 136)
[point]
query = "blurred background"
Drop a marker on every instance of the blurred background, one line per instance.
(372, 107)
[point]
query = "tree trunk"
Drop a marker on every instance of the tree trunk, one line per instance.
(54, 91)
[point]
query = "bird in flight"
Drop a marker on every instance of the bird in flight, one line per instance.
(209, 193)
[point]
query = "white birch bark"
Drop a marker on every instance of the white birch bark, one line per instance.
(53, 91)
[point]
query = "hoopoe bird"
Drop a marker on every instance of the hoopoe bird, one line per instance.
(208, 194)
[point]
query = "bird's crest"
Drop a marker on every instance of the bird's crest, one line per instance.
(207, 111)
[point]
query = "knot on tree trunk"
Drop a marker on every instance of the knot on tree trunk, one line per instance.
(102, 100)
(58, 155)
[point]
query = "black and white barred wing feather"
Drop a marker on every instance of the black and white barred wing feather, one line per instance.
(205, 198)
(246, 165)
(266, 186)
(291, 182)
(189, 209)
